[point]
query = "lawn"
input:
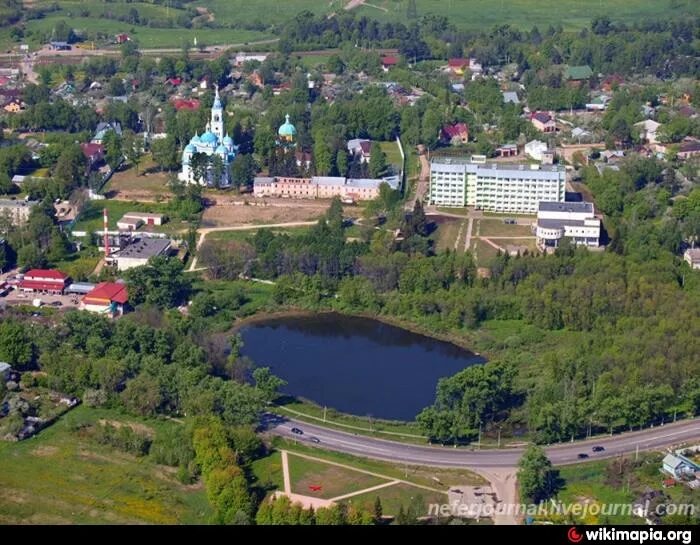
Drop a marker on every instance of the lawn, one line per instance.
(246, 234)
(484, 252)
(79, 265)
(393, 497)
(393, 154)
(148, 179)
(313, 61)
(530, 243)
(62, 477)
(496, 228)
(266, 11)
(91, 218)
(446, 234)
(425, 476)
(268, 471)
(335, 481)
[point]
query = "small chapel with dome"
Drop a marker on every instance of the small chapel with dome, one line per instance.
(287, 133)
(212, 143)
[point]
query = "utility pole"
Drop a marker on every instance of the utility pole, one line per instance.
(636, 453)
(499, 436)
(324, 413)
(479, 442)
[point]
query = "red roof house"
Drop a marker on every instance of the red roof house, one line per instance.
(174, 81)
(543, 122)
(458, 66)
(106, 297)
(455, 134)
(94, 153)
(389, 61)
(44, 280)
(186, 104)
(122, 38)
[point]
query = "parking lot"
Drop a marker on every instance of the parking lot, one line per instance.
(17, 297)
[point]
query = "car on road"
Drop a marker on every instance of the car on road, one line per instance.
(582, 455)
(314, 440)
(598, 448)
(56, 304)
(297, 431)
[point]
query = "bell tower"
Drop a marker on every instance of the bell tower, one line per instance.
(217, 117)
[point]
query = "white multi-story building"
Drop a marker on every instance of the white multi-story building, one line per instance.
(573, 220)
(505, 188)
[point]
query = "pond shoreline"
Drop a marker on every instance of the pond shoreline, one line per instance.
(400, 380)
(389, 320)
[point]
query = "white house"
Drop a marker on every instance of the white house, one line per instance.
(573, 220)
(648, 130)
(677, 466)
(535, 149)
(692, 257)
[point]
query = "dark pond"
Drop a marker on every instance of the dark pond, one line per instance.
(355, 365)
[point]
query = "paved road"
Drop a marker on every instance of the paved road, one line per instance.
(650, 439)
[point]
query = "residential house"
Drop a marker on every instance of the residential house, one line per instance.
(543, 122)
(611, 82)
(14, 106)
(102, 130)
(108, 298)
(185, 103)
(121, 38)
(598, 104)
(17, 210)
(576, 76)
(388, 62)
(688, 148)
(458, 66)
(59, 46)
(692, 257)
(510, 97)
(648, 130)
(360, 148)
(454, 134)
(678, 466)
(94, 153)
(5, 369)
(242, 58)
(256, 79)
(580, 134)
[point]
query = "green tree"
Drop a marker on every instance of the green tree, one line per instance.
(113, 145)
(537, 479)
(341, 162)
(377, 161)
(16, 346)
(161, 283)
(268, 383)
(133, 149)
(164, 152)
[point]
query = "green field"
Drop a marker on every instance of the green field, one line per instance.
(496, 228)
(393, 497)
(524, 14)
(62, 477)
(466, 14)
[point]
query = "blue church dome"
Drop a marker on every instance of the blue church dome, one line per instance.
(228, 141)
(287, 129)
(209, 138)
(221, 149)
(190, 148)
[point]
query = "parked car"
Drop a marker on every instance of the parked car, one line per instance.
(297, 431)
(582, 455)
(598, 448)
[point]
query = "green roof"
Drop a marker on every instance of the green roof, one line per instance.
(578, 72)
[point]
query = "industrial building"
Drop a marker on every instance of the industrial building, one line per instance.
(133, 220)
(505, 188)
(322, 187)
(44, 281)
(138, 252)
(573, 220)
(108, 298)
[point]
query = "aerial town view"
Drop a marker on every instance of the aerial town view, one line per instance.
(349, 262)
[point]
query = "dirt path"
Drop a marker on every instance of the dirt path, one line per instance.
(364, 491)
(203, 232)
(352, 4)
(423, 183)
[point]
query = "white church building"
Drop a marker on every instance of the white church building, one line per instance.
(197, 164)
